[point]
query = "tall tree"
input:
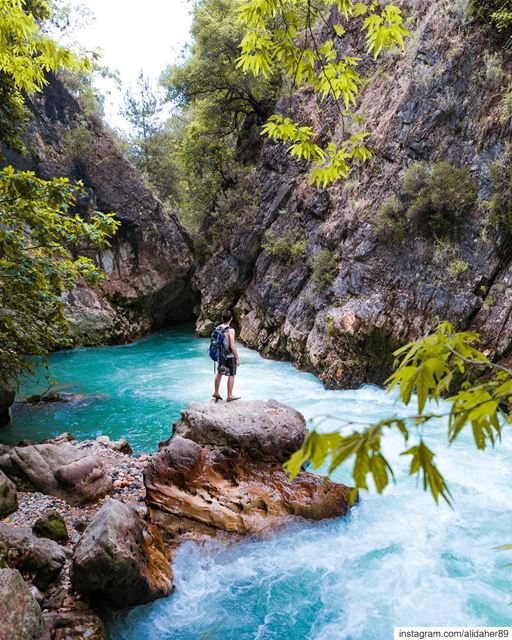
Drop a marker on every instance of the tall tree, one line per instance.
(208, 77)
(142, 109)
(218, 112)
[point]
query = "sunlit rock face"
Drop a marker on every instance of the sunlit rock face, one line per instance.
(221, 471)
(58, 470)
(427, 104)
(148, 266)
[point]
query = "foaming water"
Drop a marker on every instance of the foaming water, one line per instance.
(396, 560)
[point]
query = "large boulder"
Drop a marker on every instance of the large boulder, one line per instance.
(120, 560)
(263, 430)
(20, 613)
(38, 558)
(219, 478)
(60, 470)
(8, 496)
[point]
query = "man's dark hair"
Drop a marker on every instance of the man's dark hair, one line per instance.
(226, 316)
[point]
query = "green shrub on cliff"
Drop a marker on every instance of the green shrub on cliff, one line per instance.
(390, 221)
(456, 268)
(440, 195)
(496, 17)
(285, 248)
(325, 268)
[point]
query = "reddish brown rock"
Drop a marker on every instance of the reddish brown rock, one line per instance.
(210, 485)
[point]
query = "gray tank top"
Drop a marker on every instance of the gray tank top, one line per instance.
(227, 348)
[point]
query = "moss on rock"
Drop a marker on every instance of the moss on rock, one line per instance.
(52, 526)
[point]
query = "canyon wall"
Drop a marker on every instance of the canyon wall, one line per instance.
(148, 267)
(439, 100)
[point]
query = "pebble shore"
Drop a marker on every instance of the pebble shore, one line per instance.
(126, 472)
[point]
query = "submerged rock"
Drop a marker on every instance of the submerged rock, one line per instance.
(64, 396)
(51, 526)
(20, 613)
(222, 478)
(8, 496)
(38, 558)
(59, 470)
(120, 561)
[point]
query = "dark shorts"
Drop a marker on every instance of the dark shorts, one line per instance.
(227, 367)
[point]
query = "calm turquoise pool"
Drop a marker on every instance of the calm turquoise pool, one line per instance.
(397, 560)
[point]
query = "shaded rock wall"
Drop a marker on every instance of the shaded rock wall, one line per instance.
(148, 266)
(436, 101)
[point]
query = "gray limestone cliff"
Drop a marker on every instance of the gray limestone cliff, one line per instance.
(439, 100)
(149, 264)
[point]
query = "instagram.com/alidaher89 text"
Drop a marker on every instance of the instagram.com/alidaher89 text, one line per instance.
(422, 633)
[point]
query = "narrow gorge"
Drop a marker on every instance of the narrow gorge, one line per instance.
(326, 503)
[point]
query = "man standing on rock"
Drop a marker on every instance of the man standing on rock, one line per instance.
(228, 358)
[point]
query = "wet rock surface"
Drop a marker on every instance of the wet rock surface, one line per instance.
(216, 479)
(20, 613)
(120, 560)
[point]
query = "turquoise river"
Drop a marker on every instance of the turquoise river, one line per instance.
(398, 559)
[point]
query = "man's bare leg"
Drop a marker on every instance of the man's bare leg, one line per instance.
(231, 382)
(218, 379)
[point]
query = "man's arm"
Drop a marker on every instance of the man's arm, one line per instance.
(232, 346)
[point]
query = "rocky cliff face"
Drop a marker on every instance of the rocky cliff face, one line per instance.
(439, 100)
(148, 266)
